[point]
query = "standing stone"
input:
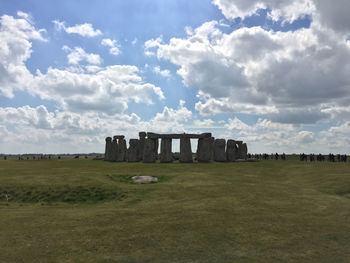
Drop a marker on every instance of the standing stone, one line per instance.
(244, 152)
(219, 150)
(114, 152)
(239, 146)
(142, 136)
(156, 146)
(148, 151)
(231, 151)
(133, 151)
(121, 157)
(185, 150)
(108, 148)
(205, 149)
(166, 155)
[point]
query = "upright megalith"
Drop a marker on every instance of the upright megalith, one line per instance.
(114, 151)
(108, 148)
(239, 152)
(166, 155)
(142, 136)
(231, 151)
(148, 151)
(219, 150)
(205, 149)
(244, 151)
(156, 146)
(146, 148)
(133, 151)
(121, 157)
(185, 150)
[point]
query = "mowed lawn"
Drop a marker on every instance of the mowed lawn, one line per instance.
(78, 210)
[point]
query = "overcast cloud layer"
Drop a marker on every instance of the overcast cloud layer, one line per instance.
(294, 84)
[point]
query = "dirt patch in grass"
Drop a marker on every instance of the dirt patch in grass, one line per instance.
(67, 194)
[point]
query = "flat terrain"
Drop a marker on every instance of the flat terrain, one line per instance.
(80, 210)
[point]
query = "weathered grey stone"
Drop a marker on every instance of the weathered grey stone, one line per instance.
(156, 146)
(166, 156)
(219, 150)
(152, 135)
(185, 150)
(142, 136)
(114, 150)
(148, 151)
(108, 148)
(205, 149)
(244, 151)
(144, 179)
(231, 151)
(121, 157)
(239, 146)
(133, 151)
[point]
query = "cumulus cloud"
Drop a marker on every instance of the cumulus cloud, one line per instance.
(289, 10)
(78, 54)
(258, 71)
(16, 35)
(78, 89)
(106, 90)
(112, 44)
(236, 124)
(84, 30)
(164, 73)
(35, 129)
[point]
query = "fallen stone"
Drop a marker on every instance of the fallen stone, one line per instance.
(143, 179)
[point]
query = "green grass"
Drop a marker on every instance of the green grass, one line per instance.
(78, 210)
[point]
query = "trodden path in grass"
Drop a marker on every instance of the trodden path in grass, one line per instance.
(89, 211)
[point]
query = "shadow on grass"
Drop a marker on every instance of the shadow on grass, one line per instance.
(66, 194)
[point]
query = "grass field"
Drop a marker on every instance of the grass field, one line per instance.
(80, 210)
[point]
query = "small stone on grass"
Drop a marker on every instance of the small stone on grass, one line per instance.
(142, 179)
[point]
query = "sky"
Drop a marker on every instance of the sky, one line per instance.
(274, 74)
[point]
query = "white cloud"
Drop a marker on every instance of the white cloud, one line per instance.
(112, 44)
(78, 54)
(305, 137)
(76, 89)
(255, 71)
(151, 44)
(84, 30)
(288, 10)
(164, 73)
(134, 41)
(236, 124)
(15, 49)
(206, 123)
(38, 130)
(107, 90)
